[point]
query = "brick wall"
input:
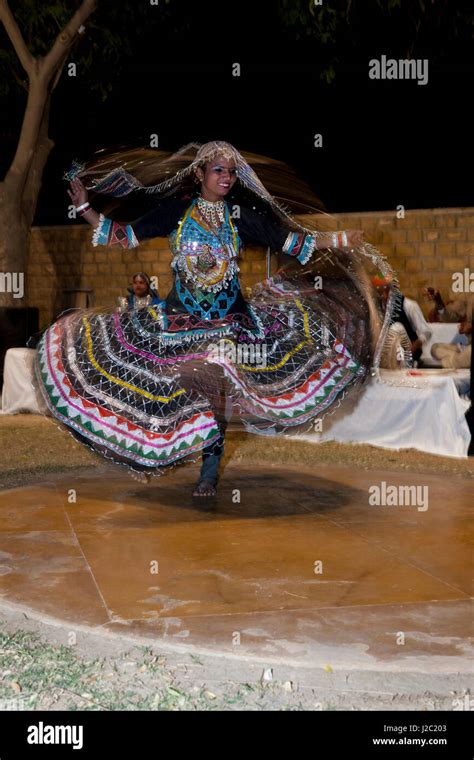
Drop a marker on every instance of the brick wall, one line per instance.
(425, 248)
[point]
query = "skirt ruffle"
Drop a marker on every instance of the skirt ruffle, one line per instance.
(143, 396)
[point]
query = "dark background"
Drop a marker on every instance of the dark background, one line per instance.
(385, 142)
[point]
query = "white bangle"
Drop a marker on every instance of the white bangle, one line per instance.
(83, 205)
(344, 239)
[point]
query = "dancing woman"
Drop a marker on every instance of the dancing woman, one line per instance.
(149, 388)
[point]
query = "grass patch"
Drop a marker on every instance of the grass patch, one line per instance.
(35, 447)
(37, 675)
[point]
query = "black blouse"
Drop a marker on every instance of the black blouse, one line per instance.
(251, 226)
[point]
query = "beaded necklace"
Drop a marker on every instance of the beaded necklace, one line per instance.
(212, 229)
(212, 211)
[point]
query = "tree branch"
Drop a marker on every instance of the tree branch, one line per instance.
(44, 73)
(57, 76)
(16, 175)
(65, 38)
(16, 37)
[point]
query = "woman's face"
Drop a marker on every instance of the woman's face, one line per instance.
(217, 178)
(140, 287)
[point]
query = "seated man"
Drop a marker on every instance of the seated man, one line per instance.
(453, 355)
(452, 311)
(409, 314)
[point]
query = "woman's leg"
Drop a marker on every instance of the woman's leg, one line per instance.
(212, 454)
(211, 457)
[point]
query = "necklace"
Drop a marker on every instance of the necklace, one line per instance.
(212, 211)
(140, 301)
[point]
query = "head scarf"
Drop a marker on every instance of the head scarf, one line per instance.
(161, 174)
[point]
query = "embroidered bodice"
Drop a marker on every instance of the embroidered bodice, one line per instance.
(205, 241)
(203, 255)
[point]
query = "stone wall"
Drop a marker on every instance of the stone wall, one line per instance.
(425, 248)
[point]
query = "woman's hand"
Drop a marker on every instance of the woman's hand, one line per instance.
(79, 195)
(354, 238)
(77, 192)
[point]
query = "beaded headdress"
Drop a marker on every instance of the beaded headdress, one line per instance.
(163, 174)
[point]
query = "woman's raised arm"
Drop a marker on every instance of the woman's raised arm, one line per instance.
(158, 222)
(80, 197)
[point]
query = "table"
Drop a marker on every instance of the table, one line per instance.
(423, 411)
(18, 394)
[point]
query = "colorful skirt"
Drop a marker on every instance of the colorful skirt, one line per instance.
(147, 388)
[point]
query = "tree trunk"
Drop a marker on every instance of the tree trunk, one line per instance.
(20, 188)
(34, 179)
(14, 235)
(17, 210)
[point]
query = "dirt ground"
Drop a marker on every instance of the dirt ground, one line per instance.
(33, 446)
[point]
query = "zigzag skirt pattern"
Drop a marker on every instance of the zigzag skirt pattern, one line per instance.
(144, 394)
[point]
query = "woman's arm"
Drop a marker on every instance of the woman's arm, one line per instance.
(340, 239)
(158, 222)
(259, 229)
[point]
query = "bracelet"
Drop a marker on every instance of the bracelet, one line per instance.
(339, 239)
(83, 206)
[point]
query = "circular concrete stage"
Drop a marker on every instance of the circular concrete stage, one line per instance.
(285, 563)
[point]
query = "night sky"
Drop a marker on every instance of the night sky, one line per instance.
(385, 142)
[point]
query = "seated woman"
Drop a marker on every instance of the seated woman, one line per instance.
(140, 295)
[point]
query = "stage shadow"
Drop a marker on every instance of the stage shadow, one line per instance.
(246, 494)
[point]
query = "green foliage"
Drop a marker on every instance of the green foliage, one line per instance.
(112, 34)
(405, 28)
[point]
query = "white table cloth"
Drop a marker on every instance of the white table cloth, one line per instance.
(427, 415)
(18, 394)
